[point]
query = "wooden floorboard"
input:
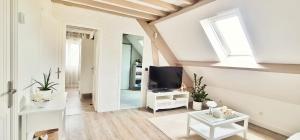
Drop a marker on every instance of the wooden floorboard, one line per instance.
(130, 124)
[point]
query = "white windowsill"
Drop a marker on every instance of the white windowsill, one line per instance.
(245, 63)
(240, 62)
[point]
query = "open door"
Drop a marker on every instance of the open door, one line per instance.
(5, 89)
(87, 66)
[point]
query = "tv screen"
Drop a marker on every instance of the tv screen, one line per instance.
(165, 78)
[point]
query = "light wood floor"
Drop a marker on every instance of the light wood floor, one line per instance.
(82, 123)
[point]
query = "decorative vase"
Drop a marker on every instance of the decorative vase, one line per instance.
(47, 94)
(211, 105)
(197, 105)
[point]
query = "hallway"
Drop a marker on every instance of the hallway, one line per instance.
(75, 110)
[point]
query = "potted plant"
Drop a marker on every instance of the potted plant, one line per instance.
(198, 93)
(45, 87)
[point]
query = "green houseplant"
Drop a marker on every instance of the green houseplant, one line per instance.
(198, 93)
(45, 87)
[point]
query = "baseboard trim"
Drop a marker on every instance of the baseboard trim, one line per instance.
(272, 128)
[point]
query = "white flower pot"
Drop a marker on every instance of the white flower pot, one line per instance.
(41, 103)
(197, 105)
(47, 94)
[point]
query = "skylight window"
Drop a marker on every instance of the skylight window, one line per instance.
(227, 35)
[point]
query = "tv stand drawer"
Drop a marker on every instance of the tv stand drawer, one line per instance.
(167, 100)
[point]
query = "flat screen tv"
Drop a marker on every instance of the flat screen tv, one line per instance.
(164, 78)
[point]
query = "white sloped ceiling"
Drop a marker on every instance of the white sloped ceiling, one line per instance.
(273, 27)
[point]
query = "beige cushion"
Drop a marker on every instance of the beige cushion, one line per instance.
(295, 137)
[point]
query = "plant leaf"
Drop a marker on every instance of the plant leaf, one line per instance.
(45, 80)
(49, 74)
(42, 86)
(31, 85)
(51, 86)
(195, 79)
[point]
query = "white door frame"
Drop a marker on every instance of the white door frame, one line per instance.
(5, 111)
(97, 53)
(14, 67)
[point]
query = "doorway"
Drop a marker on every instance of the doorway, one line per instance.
(79, 68)
(131, 71)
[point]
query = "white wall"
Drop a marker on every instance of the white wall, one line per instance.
(38, 48)
(274, 30)
(28, 40)
(38, 43)
(110, 30)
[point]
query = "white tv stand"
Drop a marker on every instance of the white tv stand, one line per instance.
(167, 100)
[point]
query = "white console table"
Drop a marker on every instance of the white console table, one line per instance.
(51, 116)
(167, 100)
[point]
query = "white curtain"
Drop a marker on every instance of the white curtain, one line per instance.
(73, 48)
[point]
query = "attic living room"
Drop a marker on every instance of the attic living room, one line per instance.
(194, 70)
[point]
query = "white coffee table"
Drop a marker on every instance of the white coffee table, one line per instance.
(212, 128)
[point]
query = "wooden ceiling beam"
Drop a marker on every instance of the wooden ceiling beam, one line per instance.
(134, 6)
(183, 10)
(103, 7)
(159, 43)
(188, 2)
(162, 4)
(155, 54)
